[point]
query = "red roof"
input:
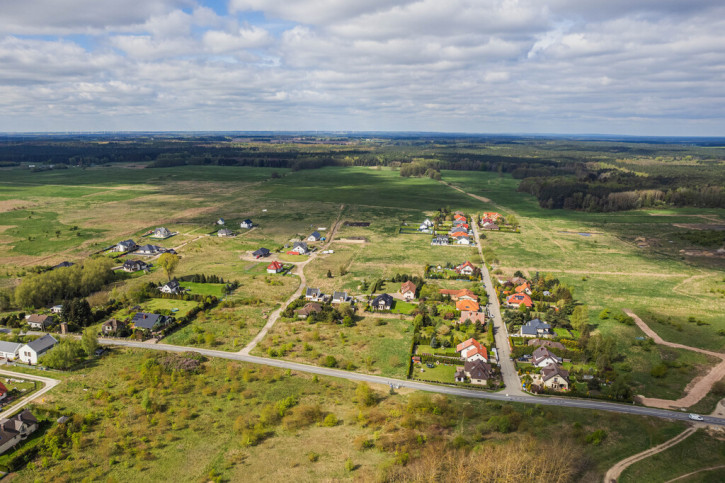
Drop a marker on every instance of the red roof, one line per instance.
(520, 298)
(478, 350)
(467, 305)
(465, 265)
(456, 294)
(523, 287)
(472, 316)
(292, 253)
(459, 217)
(467, 343)
(3, 389)
(275, 266)
(408, 287)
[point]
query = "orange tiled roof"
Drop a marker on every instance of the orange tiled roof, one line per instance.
(467, 305)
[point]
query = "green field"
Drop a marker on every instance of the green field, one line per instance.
(215, 289)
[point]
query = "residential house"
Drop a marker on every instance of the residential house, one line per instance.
(459, 229)
(172, 287)
(382, 302)
(246, 224)
(466, 268)
(462, 240)
(546, 343)
(56, 309)
(310, 308)
(341, 298)
(515, 281)
(517, 299)
(9, 350)
(542, 357)
(407, 289)
(535, 328)
(30, 352)
(63, 265)
(113, 327)
(458, 232)
(125, 246)
(439, 240)
(161, 232)
(39, 322)
(554, 377)
(314, 294)
(478, 371)
(220, 221)
(474, 317)
(460, 221)
(462, 294)
(467, 305)
(490, 226)
(426, 226)
(300, 248)
(225, 232)
(524, 288)
(314, 236)
(16, 429)
(471, 350)
(262, 252)
(152, 322)
(275, 267)
(150, 250)
(459, 216)
(492, 215)
(134, 265)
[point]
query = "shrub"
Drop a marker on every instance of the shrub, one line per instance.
(330, 420)
(329, 361)
(595, 438)
(660, 370)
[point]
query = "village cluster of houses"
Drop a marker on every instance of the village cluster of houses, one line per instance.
(488, 221)
(298, 248)
(27, 353)
(226, 232)
(315, 297)
(459, 234)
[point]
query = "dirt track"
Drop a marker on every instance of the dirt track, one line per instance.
(698, 387)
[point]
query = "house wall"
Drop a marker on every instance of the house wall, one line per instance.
(480, 382)
(28, 355)
(11, 356)
(477, 357)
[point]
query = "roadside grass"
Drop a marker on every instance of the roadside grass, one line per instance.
(373, 346)
(699, 451)
(222, 328)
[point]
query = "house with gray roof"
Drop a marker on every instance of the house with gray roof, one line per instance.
(535, 328)
(300, 247)
(341, 298)
(125, 246)
(152, 322)
(262, 252)
(382, 302)
(30, 352)
(39, 322)
(16, 429)
(172, 287)
(542, 357)
(9, 350)
(246, 224)
(150, 250)
(314, 294)
(224, 232)
(161, 232)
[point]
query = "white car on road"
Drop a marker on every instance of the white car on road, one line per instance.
(696, 417)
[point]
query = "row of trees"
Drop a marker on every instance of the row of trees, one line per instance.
(80, 280)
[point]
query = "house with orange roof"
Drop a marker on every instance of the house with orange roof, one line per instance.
(408, 289)
(524, 288)
(462, 294)
(517, 299)
(469, 305)
(472, 350)
(459, 216)
(275, 267)
(458, 233)
(466, 268)
(492, 215)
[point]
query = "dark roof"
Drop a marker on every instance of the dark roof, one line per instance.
(114, 324)
(10, 428)
(150, 248)
(127, 242)
(42, 344)
(339, 296)
(134, 264)
(40, 319)
(553, 370)
(299, 244)
(316, 234)
(385, 298)
(542, 353)
(313, 292)
(174, 284)
(262, 252)
(533, 326)
(309, 308)
(247, 222)
(144, 320)
(478, 369)
(63, 265)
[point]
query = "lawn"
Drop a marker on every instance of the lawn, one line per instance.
(373, 346)
(215, 289)
(156, 305)
(401, 307)
(441, 373)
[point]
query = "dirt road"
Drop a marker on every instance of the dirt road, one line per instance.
(699, 387)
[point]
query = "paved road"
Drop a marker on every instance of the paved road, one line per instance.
(510, 375)
(48, 385)
(453, 391)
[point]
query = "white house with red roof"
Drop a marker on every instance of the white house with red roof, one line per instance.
(275, 267)
(466, 268)
(472, 350)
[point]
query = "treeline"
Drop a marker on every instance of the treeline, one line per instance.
(621, 192)
(80, 280)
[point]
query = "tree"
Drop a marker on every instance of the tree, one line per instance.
(64, 355)
(168, 263)
(89, 342)
(329, 273)
(579, 317)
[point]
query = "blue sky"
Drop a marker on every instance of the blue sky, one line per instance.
(638, 67)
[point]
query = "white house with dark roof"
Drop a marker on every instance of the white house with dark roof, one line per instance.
(172, 287)
(314, 294)
(542, 357)
(341, 298)
(246, 224)
(150, 250)
(300, 247)
(161, 232)
(16, 429)
(125, 246)
(314, 236)
(535, 328)
(30, 352)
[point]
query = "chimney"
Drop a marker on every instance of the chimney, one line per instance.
(63, 328)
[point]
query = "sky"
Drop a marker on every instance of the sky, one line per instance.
(635, 67)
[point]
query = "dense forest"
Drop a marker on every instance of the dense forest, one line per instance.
(562, 173)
